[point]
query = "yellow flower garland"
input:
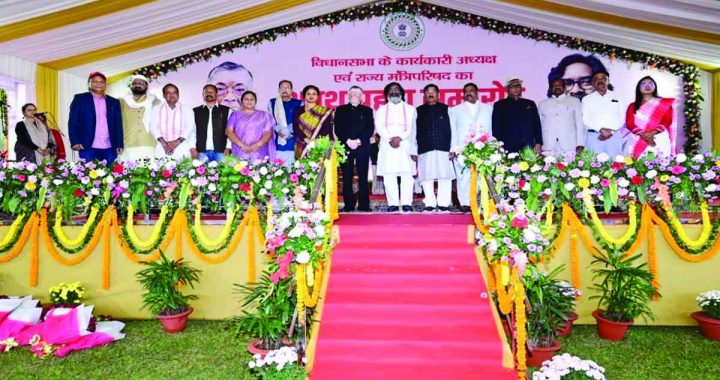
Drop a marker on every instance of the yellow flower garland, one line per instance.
(665, 229)
(629, 233)
(203, 238)
(217, 259)
(78, 258)
(22, 239)
(680, 231)
(521, 328)
(154, 236)
(60, 234)
(115, 223)
(13, 231)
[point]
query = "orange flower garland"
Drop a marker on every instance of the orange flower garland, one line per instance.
(30, 225)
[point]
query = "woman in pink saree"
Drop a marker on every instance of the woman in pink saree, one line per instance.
(650, 122)
(251, 130)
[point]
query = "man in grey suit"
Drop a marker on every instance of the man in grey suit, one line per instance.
(563, 131)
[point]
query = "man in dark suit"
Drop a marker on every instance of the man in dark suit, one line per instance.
(95, 125)
(354, 125)
(515, 120)
(210, 122)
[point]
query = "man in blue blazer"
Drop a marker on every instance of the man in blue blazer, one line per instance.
(95, 125)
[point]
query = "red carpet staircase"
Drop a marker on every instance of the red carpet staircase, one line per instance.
(405, 301)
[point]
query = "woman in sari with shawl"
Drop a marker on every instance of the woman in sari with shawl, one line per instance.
(251, 130)
(34, 139)
(649, 122)
(311, 120)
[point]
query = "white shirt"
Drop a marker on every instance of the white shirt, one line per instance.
(603, 111)
(562, 122)
(396, 120)
(209, 144)
(467, 118)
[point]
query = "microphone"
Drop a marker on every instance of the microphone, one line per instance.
(40, 113)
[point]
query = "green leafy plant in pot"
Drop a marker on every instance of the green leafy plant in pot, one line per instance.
(268, 314)
(548, 309)
(624, 293)
(162, 281)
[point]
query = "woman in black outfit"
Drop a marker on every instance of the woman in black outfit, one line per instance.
(34, 139)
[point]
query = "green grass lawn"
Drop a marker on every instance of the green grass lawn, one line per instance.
(207, 351)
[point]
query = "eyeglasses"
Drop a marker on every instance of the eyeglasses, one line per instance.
(583, 82)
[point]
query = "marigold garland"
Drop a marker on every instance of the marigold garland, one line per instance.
(22, 238)
(88, 249)
(503, 289)
(73, 244)
(106, 251)
(695, 258)
(34, 254)
(16, 229)
(680, 231)
(473, 199)
(521, 328)
(631, 231)
(230, 247)
(115, 223)
(652, 262)
(155, 237)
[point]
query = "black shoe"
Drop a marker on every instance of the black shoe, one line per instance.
(393, 209)
(465, 209)
(364, 209)
(429, 209)
(407, 208)
(347, 210)
(444, 209)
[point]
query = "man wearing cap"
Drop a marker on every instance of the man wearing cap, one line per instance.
(136, 108)
(515, 120)
(471, 117)
(604, 116)
(563, 130)
(95, 125)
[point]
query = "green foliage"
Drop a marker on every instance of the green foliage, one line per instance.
(625, 289)
(268, 311)
(162, 281)
(549, 307)
(290, 372)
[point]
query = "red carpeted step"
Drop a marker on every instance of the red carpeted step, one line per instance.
(406, 300)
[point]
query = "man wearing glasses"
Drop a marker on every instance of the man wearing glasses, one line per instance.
(231, 80)
(576, 71)
(563, 131)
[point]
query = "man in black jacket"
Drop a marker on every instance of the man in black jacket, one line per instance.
(434, 136)
(354, 125)
(515, 120)
(210, 122)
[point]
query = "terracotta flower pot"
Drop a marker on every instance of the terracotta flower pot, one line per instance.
(610, 330)
(253, 348)
(175, 323)
(565, 329)
(710, 327)
(540, 354)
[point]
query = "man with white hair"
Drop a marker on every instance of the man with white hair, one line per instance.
(354, 125)
(136, 108)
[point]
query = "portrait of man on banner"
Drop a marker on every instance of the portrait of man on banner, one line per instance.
(232, 80)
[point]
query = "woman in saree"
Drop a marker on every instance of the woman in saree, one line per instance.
(311, 120)
(34, 139)
(649, 122)
(251, 130)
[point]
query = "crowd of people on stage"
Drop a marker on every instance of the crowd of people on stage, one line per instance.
(414, 145)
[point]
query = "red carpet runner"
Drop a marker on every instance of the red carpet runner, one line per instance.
(404, 301)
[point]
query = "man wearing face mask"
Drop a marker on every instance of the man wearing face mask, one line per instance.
(395, 124)
(354, 125)
(210, 123)
(470, 117)
(136, 109)
(282, 109)
(434, 136)
(603, 115)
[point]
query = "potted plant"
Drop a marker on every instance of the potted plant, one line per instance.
(566, 366)
(709, 317)
(162, 281)
(625, 289)
(548, 308)
(572, 294)
(269, 310)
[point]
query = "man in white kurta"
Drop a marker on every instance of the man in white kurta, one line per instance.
(136, 107)
(467, 118)
(395, 123)
(173, 126)
(603, 115)
(563, 131)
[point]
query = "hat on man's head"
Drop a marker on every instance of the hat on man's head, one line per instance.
(512, 78)
(141, 77)
(97, 74)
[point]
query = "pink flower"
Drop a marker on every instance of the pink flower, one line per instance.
(21, 178)
(677, 170)
(245, 171)
(605, 182)
(483, 138)
(519, 222)
(520, 260)
(201, 170)
(294, 178)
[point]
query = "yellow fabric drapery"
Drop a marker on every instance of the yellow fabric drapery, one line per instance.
(242, 15)
(65, 17)
(46, 90)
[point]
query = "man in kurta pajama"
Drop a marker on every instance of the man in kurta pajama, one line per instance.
(395, 124)
(434, 136)
(282, 109)
(603, 114)
(467, 118)
(136, 108)
(173, 126)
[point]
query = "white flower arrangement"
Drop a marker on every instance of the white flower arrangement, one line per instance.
(275, 361)
(709, 302)
(566, 365)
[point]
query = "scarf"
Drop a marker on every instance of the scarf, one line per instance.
(171, 121)
(146, 102)
(39, 135)
(280, 119)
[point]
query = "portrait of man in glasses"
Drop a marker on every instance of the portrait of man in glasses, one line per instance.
(576, 71)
